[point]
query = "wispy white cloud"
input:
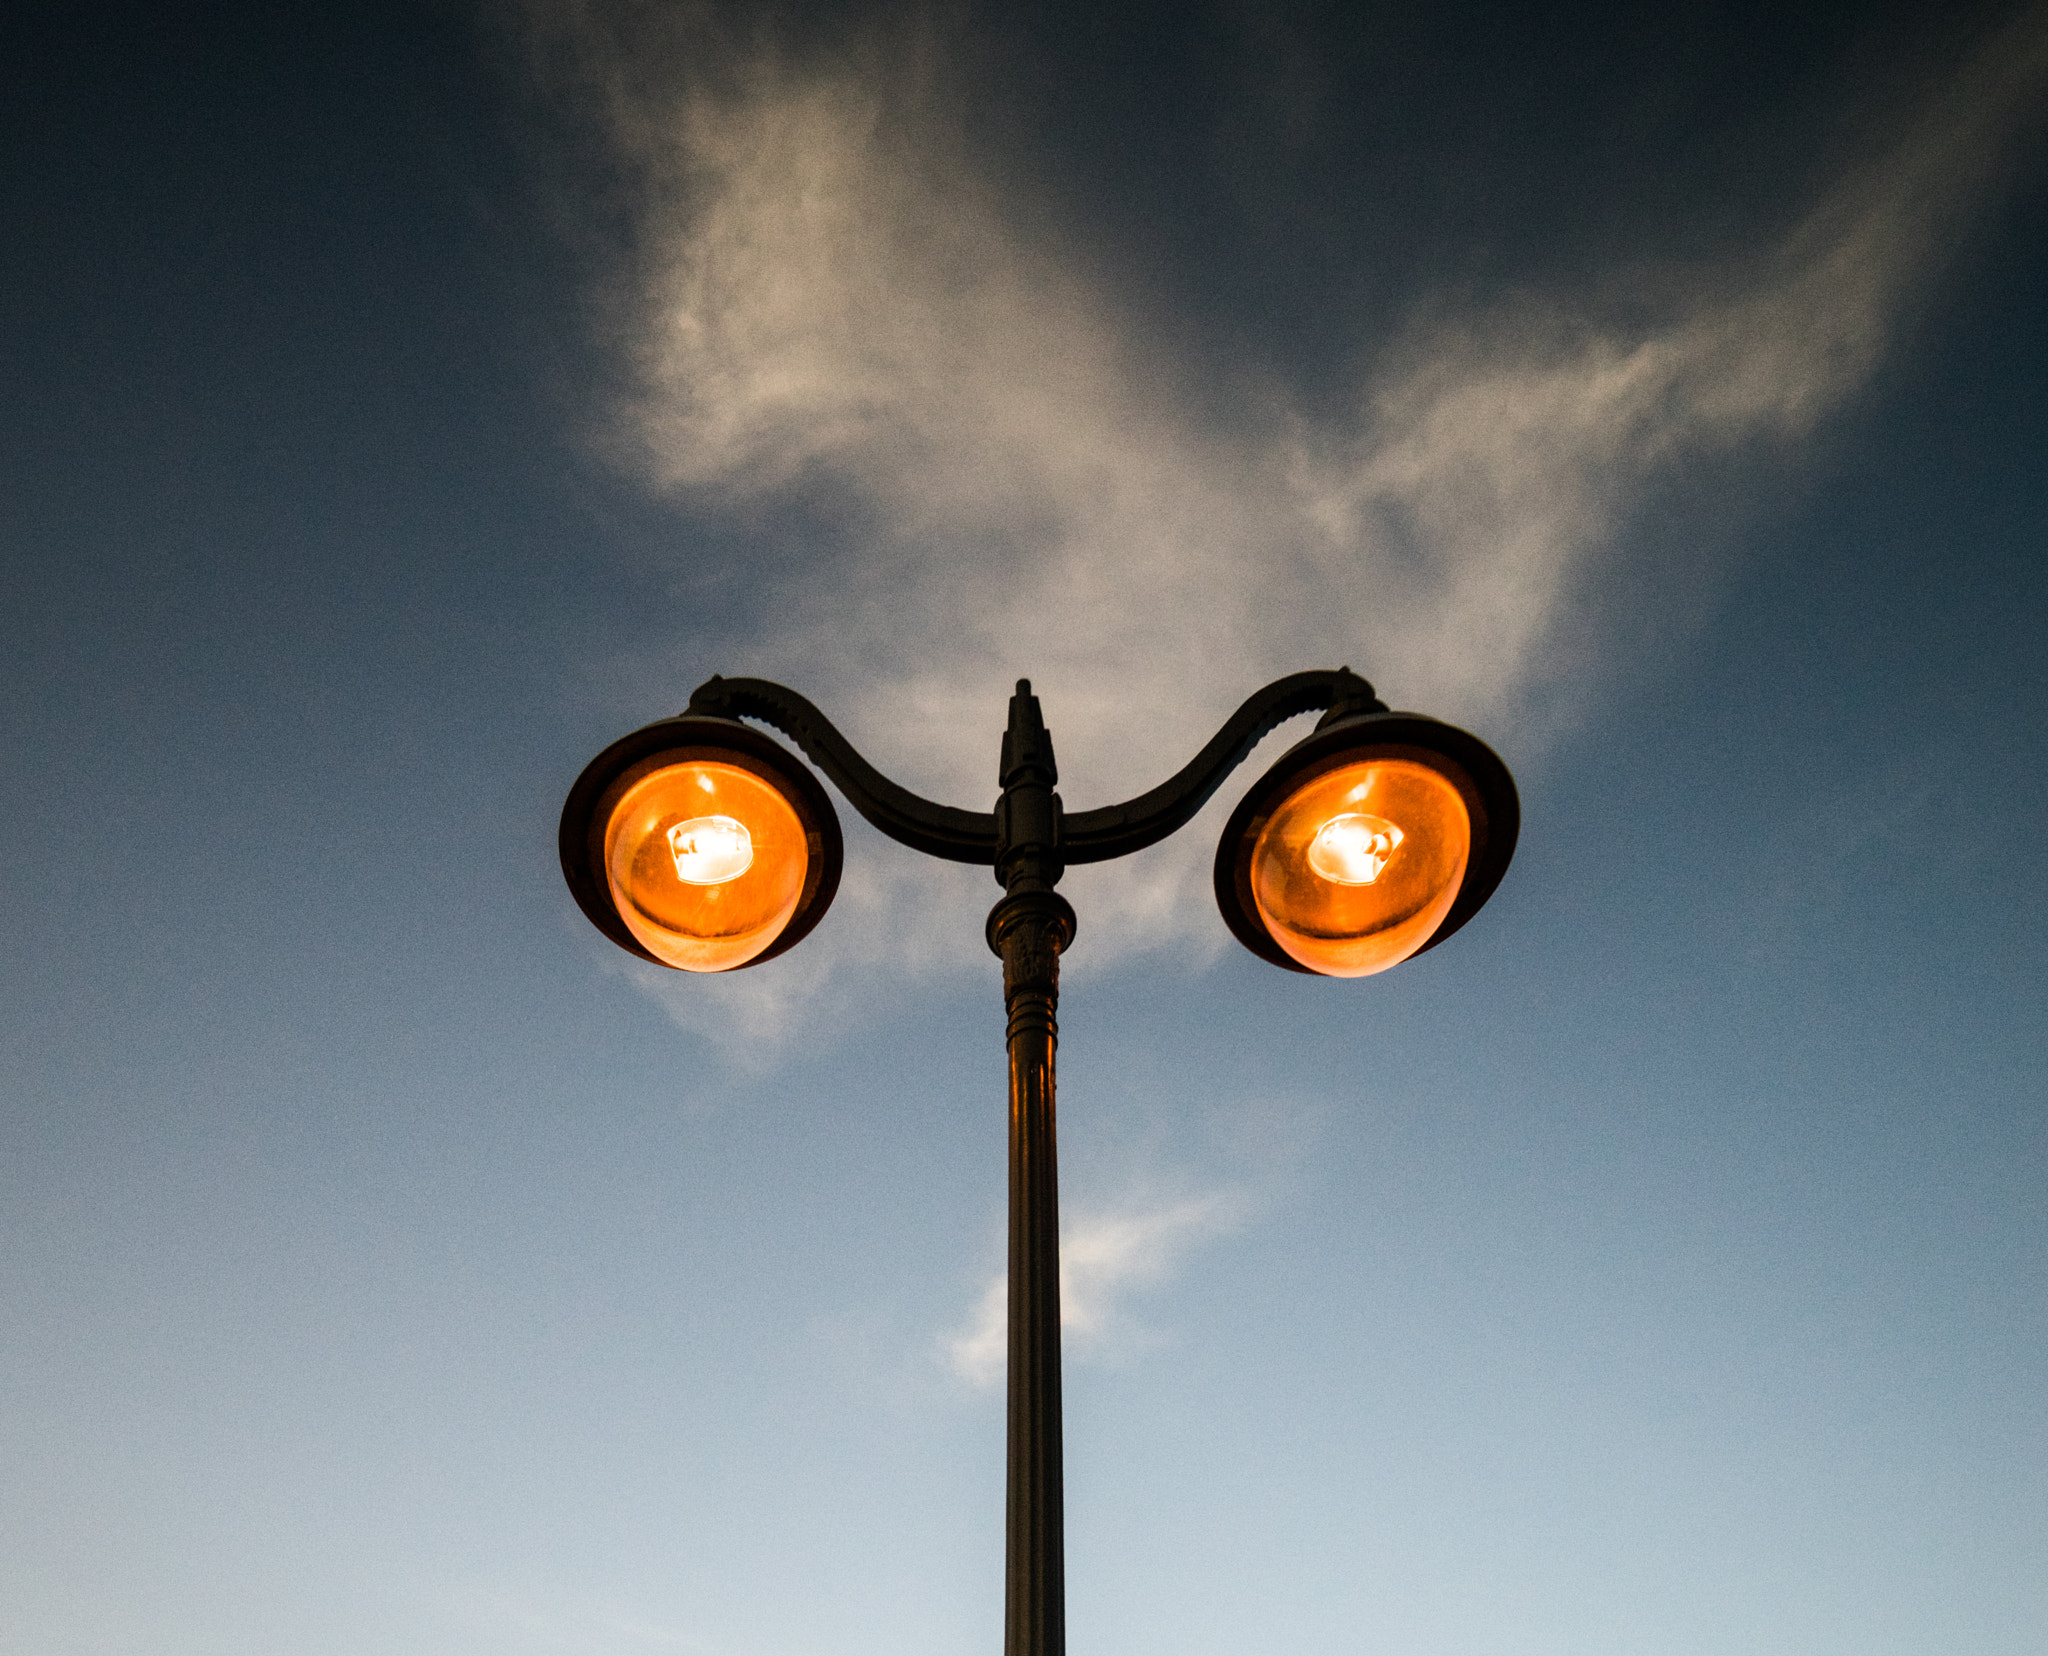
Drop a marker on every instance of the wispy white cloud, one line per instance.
(979, 1350)
(1103, 1256)
(830, 301)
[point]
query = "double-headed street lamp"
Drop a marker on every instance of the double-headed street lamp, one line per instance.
(700, 843)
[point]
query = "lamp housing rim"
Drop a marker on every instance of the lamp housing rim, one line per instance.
(1467, 763)
(679, 740)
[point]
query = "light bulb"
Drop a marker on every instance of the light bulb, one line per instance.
(1353, 849)
(709, 850)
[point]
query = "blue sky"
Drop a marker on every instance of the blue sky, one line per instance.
(408, 401)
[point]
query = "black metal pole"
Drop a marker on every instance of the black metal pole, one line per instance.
(1035, 1583)
(1028, 929)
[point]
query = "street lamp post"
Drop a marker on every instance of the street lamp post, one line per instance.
(700, 843)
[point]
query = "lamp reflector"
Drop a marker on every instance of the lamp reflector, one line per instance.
(1356, 869)
(706, 863)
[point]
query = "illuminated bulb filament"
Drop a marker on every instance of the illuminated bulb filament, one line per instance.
(1353, 849)
(709, 850)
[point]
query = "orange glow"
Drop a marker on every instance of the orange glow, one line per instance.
(706, 863)
(1356, 869)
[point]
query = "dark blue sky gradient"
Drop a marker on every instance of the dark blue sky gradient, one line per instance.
(1661, 1267)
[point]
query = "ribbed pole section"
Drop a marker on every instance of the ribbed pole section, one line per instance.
(1029, 934)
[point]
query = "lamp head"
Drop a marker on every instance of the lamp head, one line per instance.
(702, 844)
(1372, 840)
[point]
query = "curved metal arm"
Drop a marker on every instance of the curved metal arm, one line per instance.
(1118, 830)
(1083, 836)
(923, 825)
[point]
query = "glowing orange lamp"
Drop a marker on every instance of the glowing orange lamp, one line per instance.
(702, 844)
(1374, 839)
